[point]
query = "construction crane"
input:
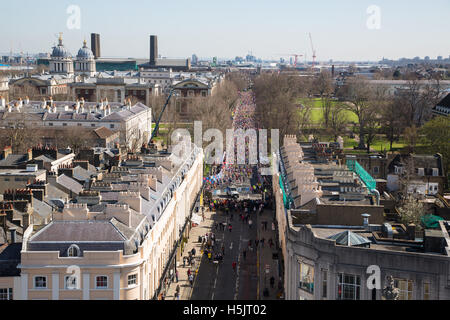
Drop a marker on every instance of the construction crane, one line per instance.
(313, 51)
(296, 55)
(155, 130)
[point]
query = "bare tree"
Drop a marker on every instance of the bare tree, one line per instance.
(360, 95)
(337, 120)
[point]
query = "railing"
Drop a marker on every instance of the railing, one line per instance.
(287, 198)
(368, 180)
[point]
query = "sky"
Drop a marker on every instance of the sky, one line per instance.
(231, 28)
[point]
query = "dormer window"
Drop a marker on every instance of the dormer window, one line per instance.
(73, 251)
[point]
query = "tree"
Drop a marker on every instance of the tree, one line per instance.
(436, 136)
(411, 136)
(276, 107)
(411, 211)
(337, 120)
(391, 121)
(360, 96)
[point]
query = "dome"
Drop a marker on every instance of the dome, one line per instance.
(85, 52)
(60, 51)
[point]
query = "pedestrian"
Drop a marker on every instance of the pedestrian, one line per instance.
(189, 272)
(244, 253)
(256, 242)
(234, 266)
(272, 282)
(184, 262)
(193, 251)
(223, 250)
(176, 275)
(270, 242)
(209, 256)
(191, 279)
(250, 224)
(262, 242)
(230, 227)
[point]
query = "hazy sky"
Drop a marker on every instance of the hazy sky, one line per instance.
(233, 27)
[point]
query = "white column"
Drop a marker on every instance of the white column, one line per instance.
(24, 286)
(55, 286)
(17, 289)
(86, 286)
(116, 287)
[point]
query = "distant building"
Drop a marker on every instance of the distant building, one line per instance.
(194, 59)
(443, 107)
(95, 45)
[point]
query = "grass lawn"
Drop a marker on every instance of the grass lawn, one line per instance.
(317, 114)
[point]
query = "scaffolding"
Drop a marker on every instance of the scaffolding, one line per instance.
(368, 180)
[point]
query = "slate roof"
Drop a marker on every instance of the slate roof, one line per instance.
(74, 231)
(104, 133)
(14, 160)
(9, 259)
(69, 183)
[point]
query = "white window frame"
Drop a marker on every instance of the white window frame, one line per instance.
(355, 285)
(8, 294)
(40, 276)
(107, 282)
(133, 282)
(435, 172)
(73, 247)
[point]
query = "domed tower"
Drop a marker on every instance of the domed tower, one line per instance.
(60, 59)
(85, 63)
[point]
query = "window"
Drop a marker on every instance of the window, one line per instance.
(349, 287)
(73, 251)
(92, 124)
(70, 282)
(426, 291)
(307, 277)
(64, 124)
(405, 288)
(324, 283)
(435, 172)
(111, 126)
(50, 124)
(204, 93)
(101, 282)
(132, 279)
(40, 282)
(376, 170)
(420, 171)
(6, 294)
(79, 124)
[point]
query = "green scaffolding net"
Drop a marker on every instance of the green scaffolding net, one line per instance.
(368, 180)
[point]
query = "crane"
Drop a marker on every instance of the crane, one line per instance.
(296, 55)
(155, 130)
(313, 51)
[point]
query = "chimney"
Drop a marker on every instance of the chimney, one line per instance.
(366, 220)
(411, 231)
(6, 152)
(153, 50)
(13, 234)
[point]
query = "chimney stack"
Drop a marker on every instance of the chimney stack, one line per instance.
(13, 234)
(366, 220)
(95, 45)
(153, 50)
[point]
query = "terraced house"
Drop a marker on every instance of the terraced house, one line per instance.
(116, 240)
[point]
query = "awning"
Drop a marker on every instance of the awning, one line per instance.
(196, 218)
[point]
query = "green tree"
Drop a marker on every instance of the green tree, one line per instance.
(436, 136)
